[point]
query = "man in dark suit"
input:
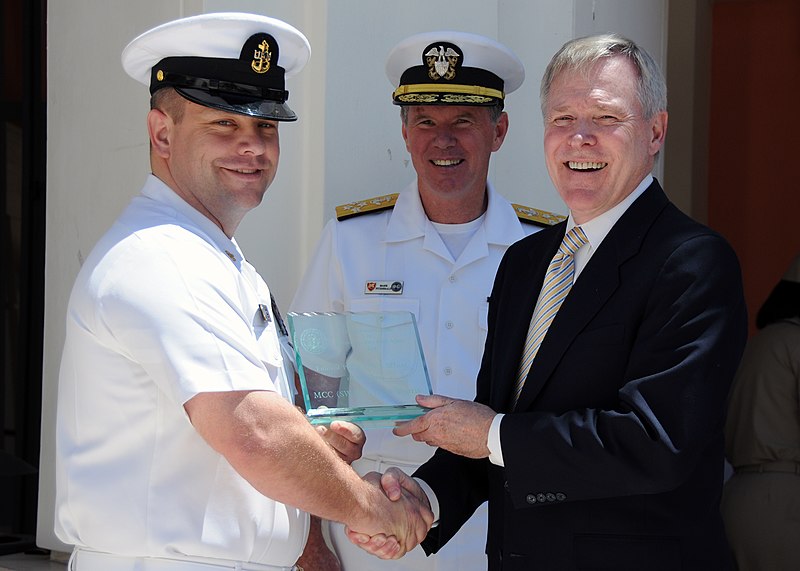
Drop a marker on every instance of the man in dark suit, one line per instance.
(608, 453)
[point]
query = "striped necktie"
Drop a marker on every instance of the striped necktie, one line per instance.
(557, 283)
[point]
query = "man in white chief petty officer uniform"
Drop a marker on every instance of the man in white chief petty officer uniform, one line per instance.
(178, 447)
(432, 249)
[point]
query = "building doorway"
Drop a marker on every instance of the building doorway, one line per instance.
(22, 179)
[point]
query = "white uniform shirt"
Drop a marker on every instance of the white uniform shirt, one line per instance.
(448, 297)
(449, 300)
(164, 308)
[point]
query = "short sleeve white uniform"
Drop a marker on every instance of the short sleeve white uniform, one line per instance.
(164, 308)
(449, 299)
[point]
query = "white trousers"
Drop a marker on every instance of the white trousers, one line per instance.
(88, 560)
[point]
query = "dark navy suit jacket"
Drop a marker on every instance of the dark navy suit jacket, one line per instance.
(614, 453)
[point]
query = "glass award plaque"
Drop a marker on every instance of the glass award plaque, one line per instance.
(363, 367)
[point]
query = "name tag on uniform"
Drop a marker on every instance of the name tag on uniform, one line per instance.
(385, 287)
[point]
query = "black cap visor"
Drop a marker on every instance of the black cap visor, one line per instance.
(234, 85)
(241, 104)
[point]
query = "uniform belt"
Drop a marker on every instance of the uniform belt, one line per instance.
(87, 560)
(785, 467)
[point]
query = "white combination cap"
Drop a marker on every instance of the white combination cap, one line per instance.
(452, 68)
(231, 61)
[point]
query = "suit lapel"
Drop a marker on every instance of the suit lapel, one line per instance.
(596, 284)
(518, 303)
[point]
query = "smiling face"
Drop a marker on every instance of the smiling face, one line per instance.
(450, 147)
(219, 162)
(598, 146)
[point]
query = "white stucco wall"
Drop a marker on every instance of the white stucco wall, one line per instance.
(346, 145)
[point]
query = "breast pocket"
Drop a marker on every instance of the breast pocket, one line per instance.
(610, 334)
(385, 303)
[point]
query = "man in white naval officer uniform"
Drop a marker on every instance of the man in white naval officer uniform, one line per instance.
(178, 447)
(432, 249)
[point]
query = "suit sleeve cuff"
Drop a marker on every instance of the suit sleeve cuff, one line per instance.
(431, 498)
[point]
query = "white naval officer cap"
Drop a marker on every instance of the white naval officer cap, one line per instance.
(452, 68)
(230, 61)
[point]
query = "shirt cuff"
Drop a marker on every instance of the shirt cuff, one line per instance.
(431, 498)
(495, 449)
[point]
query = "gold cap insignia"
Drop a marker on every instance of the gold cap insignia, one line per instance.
(261, 58)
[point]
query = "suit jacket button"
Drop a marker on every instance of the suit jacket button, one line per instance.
(561, 497)
(541, 498)
(530, 498)
(505, 484)
(551, 497)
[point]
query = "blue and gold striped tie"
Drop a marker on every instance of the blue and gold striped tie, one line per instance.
(557, 283)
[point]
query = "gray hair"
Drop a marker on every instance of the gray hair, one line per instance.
(495, 111)
(582, 53)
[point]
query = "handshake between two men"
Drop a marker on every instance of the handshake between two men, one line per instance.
(459, 426)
